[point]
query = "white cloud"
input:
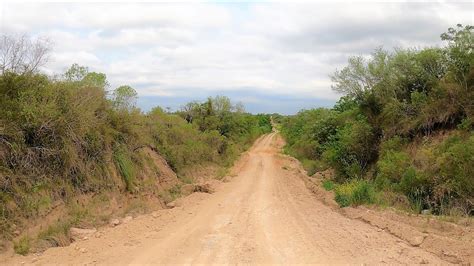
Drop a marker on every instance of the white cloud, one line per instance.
(270, 48)
(113, 15)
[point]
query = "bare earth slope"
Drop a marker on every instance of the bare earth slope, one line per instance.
(264, 214)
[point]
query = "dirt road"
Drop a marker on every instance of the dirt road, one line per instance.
(264, 214)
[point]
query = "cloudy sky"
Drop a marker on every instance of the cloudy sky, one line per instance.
(273, 57)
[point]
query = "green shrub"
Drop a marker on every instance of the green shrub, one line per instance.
(23, 245)
(466, 124)
(355, 192)
(328, 185)
(343, 196)
(352, 150)
(455, 171)
(312, 166)
(391, 166)
(412, 182)
(415, 186)
(395, 143)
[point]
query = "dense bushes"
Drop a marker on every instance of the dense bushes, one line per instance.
(404, 126)
(206, 133)
(351, 150)
(435, 174)
(67, 135)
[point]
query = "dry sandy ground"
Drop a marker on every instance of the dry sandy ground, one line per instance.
(264, 214)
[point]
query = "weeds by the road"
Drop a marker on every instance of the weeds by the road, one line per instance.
(126, 168)
(328, 185)
(355, 192)
(22, 246)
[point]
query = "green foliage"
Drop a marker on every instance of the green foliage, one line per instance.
(466, 124)
(124, 97)
(455, 172)
(328, 185)
(182, 143)
(23, 245)
(413, 184)
(60, 138)
(125, 167)
(381, 130)
(224, 129)
(76, 73)
(229, 120)
(352, 149)
(312, 166)
(355, 192)
(411, 91)
(391, 166)
(437, 176)
(340, 138)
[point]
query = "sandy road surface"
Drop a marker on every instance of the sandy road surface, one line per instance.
(264, 214)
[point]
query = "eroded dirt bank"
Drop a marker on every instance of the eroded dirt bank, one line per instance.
(264, 214)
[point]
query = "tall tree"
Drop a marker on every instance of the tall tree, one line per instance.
(125, 97)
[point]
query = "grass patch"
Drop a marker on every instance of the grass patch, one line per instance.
(328, 185)
(23, 245)
(311, 166)
(355, 192)
(126, 168)
(57, 235)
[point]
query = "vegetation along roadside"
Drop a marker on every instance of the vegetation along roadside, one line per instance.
(74, 152)
(403, 133)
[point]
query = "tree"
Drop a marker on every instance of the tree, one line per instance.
(190, 111)
(23, 55)
(96, 79)
(77, 73)
(354, 79)
(221, 104)
(125, 97)
(462, 37)
(460, 52)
